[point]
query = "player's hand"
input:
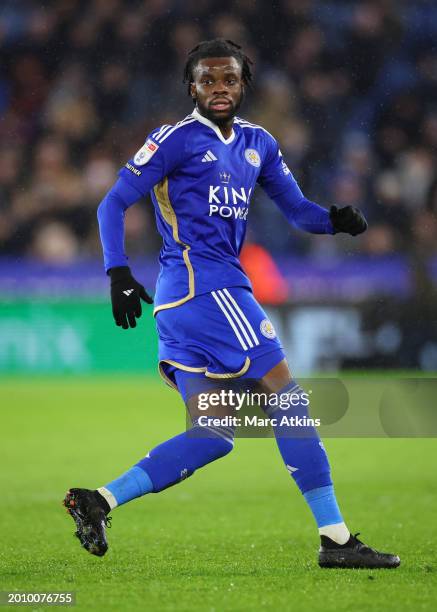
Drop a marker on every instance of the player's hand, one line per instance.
(348, 219)
(126, 296)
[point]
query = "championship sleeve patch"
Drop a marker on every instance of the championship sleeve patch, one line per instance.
(148, 149)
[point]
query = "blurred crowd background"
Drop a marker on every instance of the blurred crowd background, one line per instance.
(348, 88)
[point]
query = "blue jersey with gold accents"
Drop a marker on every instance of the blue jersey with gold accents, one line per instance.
(201, 185)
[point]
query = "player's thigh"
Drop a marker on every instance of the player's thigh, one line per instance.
(276, 379)
(217, 402)
(213, 403)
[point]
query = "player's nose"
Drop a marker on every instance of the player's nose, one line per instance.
(220, 88)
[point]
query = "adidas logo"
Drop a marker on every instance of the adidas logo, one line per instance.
(291, 469)
(209, 157)
(128, 292)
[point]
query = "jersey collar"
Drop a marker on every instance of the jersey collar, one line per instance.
(213, 126)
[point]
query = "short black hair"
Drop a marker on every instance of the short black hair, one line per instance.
(217, 47)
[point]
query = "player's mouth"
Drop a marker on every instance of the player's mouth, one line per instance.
(220, 104)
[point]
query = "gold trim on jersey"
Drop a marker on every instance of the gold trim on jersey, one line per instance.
(186, 368)
(169, 215)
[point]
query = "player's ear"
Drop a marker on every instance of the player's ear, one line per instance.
(193, 92)
(243, 92)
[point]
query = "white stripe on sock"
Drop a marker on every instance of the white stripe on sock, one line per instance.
(112, 502)
(218, 433)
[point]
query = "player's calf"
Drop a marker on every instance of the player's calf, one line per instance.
(169, 463)
(307, 462)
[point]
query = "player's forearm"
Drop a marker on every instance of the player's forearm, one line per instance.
(306, 215)
(110, 215)
(310, 217)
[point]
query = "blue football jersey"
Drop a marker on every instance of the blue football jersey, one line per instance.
(201, 185)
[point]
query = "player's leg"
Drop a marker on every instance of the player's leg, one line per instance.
(175, 459)
(164, 466)
(179, 457)
(303, 453)
(307, 462)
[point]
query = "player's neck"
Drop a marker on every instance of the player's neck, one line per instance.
(225, 127)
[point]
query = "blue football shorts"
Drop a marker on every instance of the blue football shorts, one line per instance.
(223, 334)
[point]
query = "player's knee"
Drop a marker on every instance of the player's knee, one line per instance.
(224, 447)
(292, 400)
(217, 441)
(178, 458)
(289, 412)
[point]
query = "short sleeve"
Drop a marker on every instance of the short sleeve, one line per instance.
(156, 159)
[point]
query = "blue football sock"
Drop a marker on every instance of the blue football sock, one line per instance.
(169, 463)
(324, 506)
(303, 453)
(179, 457)
(133, 483)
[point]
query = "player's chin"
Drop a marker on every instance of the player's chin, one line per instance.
(223, 115)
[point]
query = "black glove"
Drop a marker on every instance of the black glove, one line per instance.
(348, 219)
(125, 296)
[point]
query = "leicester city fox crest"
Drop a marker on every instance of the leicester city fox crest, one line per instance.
(267, 329)
(252, 156)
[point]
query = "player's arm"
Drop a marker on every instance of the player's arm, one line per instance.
(278, 182)
(148, 167)
(126, 292)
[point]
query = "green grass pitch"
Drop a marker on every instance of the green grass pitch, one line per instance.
(236, 536)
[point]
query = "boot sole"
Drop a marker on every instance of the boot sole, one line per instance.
(327, 560)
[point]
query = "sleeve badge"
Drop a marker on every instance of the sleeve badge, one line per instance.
(144, 154)
(252, 156)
